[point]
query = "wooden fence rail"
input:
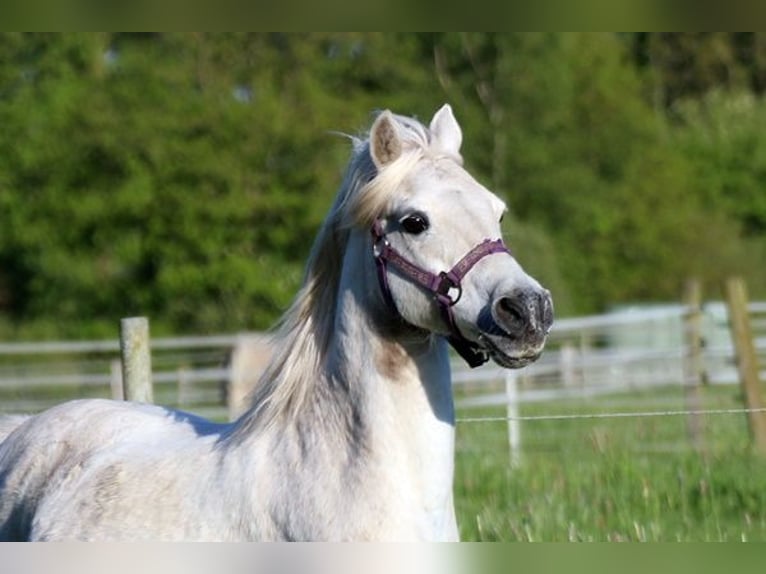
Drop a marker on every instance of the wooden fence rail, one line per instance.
(688, 344)
(193, 373)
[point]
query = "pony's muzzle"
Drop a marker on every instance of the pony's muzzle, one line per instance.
(526, 315)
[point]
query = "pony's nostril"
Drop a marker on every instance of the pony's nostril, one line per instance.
(524, 312)
(510, 314)
(506, 305)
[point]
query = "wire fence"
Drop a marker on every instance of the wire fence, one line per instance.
(633, 363)
(616, 415)
(589, 363)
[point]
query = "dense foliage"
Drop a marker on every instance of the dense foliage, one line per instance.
(183, 176)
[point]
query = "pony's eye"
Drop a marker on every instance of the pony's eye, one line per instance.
(415, 223)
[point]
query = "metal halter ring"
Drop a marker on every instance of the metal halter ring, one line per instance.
(445, 285)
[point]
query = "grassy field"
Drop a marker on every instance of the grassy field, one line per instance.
(623, 479)
(619, 479)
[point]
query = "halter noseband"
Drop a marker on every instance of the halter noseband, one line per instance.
(441, 285)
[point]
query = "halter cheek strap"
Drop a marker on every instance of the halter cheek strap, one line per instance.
(445, 286)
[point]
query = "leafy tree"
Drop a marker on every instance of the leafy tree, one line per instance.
(183, 176)
(722, 135)
(586, 157)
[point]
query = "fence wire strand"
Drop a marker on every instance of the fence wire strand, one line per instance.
(622, 415)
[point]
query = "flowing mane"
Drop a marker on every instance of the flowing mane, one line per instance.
(300, 340)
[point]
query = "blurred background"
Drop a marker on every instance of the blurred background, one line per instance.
(183, 176)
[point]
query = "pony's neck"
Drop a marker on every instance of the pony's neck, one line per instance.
(366, 424)
(385, 363)
(398, 377)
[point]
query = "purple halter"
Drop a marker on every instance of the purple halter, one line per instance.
(441, 285)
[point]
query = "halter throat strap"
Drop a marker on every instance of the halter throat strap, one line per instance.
(445, 286)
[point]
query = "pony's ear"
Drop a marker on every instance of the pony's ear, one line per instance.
(446, 135)
(385, 141)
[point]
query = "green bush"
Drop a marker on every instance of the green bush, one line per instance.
(183, 176)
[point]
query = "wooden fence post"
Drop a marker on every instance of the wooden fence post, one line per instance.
(567, 359)
(248, 360)
(184, 386)
(747, 361)
(136, 359)
(514, 424)
(692, 363)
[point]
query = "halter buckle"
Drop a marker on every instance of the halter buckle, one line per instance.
(447, 283)
(379, 245)
(379, 240)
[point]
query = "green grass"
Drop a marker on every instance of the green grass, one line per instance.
(624, 479)
(601, 479)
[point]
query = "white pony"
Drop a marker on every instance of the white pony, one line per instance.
(350, 434)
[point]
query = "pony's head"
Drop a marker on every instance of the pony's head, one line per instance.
(417, 238)
(434, 235)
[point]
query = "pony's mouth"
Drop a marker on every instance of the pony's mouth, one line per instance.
(510, 348)
(501, 351)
